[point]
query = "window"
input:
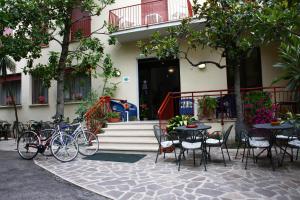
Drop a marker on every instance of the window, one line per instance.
(11, 84)
(39, 92)
(76, 87)
(81, 24)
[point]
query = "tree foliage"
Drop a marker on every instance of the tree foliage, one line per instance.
(39, 22)
(233, 28)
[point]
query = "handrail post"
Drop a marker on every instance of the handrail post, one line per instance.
(193, 104)
(222, 111)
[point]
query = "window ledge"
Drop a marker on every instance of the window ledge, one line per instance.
(38, 105)
(73, 102)
(6, 107)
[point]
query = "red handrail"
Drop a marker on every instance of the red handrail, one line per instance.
(149, 13)
(166, 110)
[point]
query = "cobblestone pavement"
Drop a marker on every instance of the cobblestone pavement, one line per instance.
(147, 180)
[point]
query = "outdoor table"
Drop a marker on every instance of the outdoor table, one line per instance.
(273, 131)
(193, 132)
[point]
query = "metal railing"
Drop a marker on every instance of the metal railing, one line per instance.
(150, 13)
(187, 103)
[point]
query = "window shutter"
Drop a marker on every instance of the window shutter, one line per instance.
(81, 22)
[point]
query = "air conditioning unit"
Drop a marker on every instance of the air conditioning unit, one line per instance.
(153, 18)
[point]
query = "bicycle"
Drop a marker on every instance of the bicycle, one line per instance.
(63, 146)
(88, 142)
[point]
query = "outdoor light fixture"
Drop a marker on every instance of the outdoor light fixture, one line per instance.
(202, 66)
(171, 70)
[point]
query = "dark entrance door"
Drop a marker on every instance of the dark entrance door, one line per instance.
(156, 79)
(250, 71)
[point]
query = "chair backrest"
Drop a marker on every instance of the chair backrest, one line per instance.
(158, 133)
(227, 133)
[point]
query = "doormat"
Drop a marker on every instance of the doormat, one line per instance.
(116, 157)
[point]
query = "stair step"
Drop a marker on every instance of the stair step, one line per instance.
(127, 133)
(126, 140)
(128, 147)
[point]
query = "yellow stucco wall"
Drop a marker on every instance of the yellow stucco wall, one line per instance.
(125, 58)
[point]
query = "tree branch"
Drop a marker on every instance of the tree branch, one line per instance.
(201, 62)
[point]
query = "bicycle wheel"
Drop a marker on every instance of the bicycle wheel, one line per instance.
(88, 143)
(27, 145)
(64, 147)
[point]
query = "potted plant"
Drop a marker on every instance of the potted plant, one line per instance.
(113, 117)
(207, 107)
(144, 111)
(78, 96)
(42, 99)
(179, 120)
(9, 100)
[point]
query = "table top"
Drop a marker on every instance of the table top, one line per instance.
(198, 128)
(272, 127)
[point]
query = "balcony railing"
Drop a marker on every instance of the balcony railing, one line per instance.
(187, 103)
(146, 14)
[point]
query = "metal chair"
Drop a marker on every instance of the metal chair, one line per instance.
(256, 144)
(194, 142)
(211, 142)
(293, 143)
(165, 142)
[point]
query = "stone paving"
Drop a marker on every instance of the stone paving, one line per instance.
(147, 180)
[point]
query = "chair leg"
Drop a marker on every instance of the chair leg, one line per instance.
(247, 154)
(204, 157)
(227, 152)
(175, 155)
(253, 155)
(179, 159)
(194, 157)
(244, 152)
(223, 156)
(271, 159)
(164, 155)
(158, 151)
(282, 159)
(297, 154)
(292, 154)
(237, 150)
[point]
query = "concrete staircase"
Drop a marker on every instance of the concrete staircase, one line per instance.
(129, 136)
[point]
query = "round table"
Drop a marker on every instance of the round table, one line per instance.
(200, 127)
(274, 129)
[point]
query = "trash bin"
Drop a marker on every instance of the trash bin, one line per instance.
(127, 110)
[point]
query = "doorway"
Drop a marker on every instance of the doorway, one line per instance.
(156, 79)
(250, 71)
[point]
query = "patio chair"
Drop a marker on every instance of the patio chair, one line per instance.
(256, 144)
(255, 135)
(166, 142)
(293, 143)
(221, 143)
(193, 142)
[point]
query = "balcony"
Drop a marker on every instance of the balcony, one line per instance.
(146, 18)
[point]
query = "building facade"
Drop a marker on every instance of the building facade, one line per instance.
(143, 80)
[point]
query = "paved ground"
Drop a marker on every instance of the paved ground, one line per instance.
(23, 180)
(147, 180)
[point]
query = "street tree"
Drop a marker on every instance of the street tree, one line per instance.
(233, 27)
(46, 21)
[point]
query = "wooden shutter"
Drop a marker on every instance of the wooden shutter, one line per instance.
(81, 22)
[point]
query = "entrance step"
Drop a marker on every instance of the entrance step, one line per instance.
(129, 136)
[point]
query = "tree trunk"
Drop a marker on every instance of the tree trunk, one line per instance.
(16, 113)
(238, 100)
(61, 68)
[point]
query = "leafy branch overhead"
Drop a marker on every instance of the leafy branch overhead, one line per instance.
(55, 23)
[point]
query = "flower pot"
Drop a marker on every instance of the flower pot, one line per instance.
(167, 149)
(113, 120)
